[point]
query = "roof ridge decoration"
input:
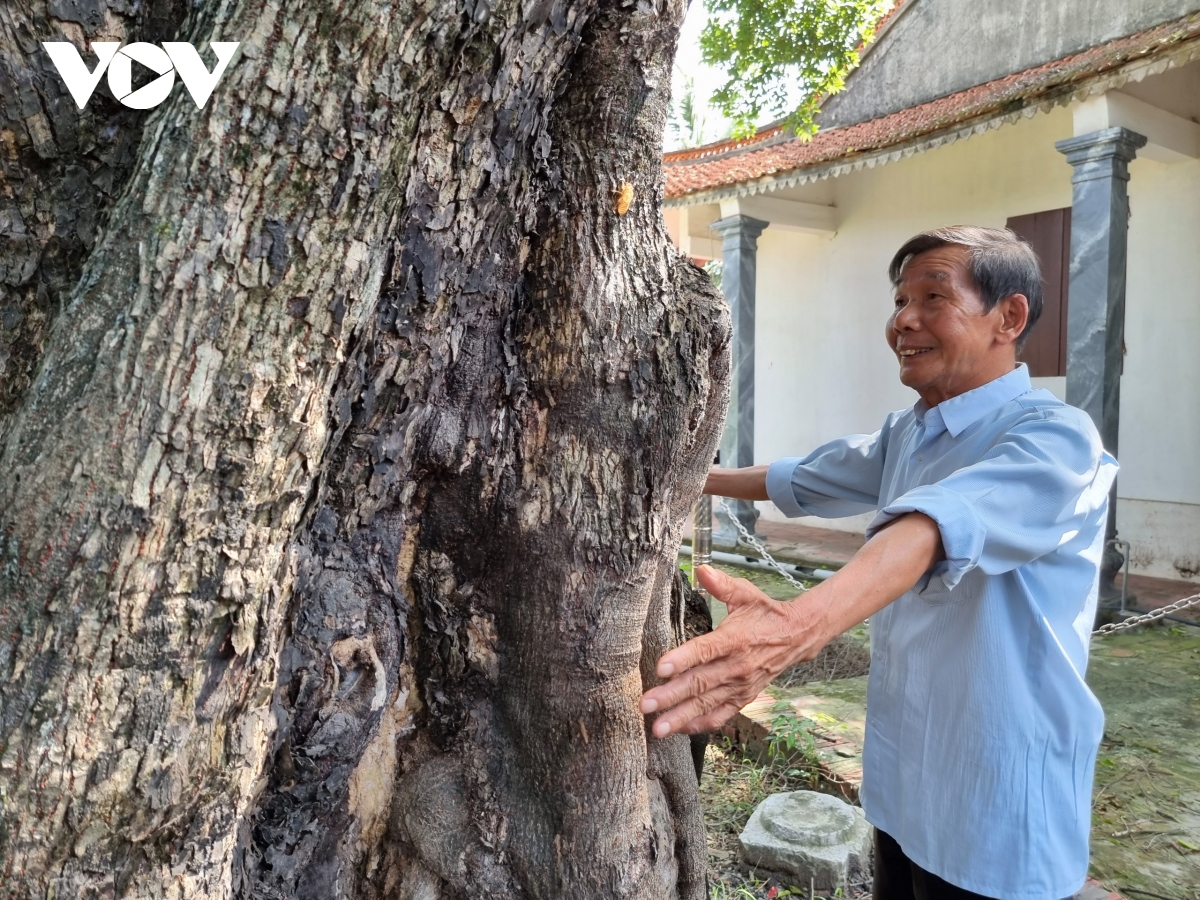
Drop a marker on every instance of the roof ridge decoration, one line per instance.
(766, 136)
(773, 159)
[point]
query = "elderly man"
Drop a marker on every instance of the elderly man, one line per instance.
(980, 576)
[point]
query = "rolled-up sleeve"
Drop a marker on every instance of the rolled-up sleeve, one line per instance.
(841, 478)
(1029, 494)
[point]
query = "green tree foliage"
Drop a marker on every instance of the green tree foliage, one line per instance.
(767, 47)
(686, 122)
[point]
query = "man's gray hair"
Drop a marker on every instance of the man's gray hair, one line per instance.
(1001, 264)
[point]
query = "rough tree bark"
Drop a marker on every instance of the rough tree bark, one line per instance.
(348, 430)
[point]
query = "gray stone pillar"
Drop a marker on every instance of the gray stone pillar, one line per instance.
(739, 249)
(1096, 297)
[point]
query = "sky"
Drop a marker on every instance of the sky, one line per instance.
(707, 79)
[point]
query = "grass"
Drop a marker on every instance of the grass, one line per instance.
(733, 785)
(1146, 804)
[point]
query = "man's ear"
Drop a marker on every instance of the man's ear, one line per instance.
(1014, 315)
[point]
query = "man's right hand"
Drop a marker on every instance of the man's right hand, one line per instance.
(749, 483)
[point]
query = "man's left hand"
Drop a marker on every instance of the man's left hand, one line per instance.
(713, 676)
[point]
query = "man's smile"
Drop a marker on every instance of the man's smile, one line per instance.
(913, 351)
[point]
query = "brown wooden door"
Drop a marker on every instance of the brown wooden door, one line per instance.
(1049, 233)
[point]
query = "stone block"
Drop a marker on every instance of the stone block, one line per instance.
(813, 838)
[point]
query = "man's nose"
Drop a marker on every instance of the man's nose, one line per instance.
(906, 318)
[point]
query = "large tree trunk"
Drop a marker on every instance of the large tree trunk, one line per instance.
(344, 456)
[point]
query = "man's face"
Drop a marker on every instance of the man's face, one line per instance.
(939, 331)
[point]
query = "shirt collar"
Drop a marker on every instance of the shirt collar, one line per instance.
(959, 413)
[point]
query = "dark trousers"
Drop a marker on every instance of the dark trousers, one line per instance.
(899, 878)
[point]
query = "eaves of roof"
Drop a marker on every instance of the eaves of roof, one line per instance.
(773, 158)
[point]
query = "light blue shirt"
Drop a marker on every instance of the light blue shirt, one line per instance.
(981, 734)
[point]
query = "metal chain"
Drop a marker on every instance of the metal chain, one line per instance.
(758, 545)
(1111, 628)
(1134, 621)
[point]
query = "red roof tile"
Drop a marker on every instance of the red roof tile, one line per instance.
(771, 151)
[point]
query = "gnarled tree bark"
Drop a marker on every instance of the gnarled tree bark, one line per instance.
(339, 505)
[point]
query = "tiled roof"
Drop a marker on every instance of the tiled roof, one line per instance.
(772, 151)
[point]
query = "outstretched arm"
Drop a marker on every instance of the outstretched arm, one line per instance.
(749, 483)
(713, 676)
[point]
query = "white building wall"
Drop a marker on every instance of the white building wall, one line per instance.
(824, 370)
(1159, 484)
